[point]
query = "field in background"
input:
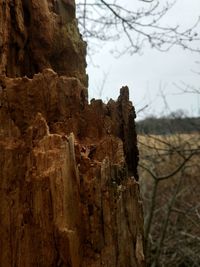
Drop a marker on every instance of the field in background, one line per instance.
(170, 184)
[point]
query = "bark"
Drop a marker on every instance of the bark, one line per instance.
(69, 194)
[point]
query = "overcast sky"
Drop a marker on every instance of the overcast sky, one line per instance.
(151, 73)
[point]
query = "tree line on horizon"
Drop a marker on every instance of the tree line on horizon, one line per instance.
(168, 125)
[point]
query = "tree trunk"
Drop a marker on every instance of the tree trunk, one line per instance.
(69, 195)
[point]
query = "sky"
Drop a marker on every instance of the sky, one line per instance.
(152, 74)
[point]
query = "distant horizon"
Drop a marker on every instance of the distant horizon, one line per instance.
(165, 117)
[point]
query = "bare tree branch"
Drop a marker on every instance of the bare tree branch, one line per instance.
(108, 20)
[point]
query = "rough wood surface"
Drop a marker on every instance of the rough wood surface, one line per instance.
(69, 195)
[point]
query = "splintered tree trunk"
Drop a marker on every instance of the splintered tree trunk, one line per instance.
(69, 195)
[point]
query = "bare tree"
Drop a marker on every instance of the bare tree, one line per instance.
(141, 22)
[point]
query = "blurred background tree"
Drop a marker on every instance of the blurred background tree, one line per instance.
(141, 23)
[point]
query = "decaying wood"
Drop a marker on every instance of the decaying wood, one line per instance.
(69, 194)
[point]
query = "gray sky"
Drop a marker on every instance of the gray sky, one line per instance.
(148, 74)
